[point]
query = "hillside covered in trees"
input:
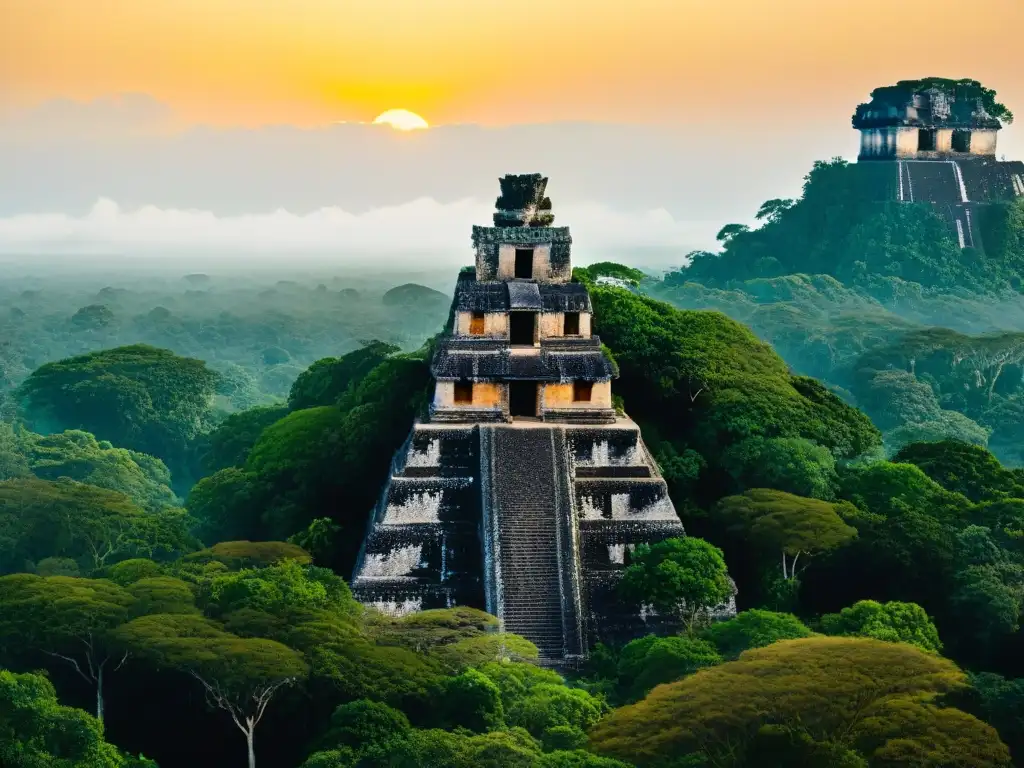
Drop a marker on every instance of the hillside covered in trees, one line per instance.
(878, 301)
(173, 572)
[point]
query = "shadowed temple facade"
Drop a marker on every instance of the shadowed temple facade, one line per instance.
(523, 491)
(932, 141)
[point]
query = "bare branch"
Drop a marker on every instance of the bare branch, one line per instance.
(74, 664)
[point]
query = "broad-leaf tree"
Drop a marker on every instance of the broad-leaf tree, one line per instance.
(36, 731)
(894, 622)
(792, 525)
(94, 526)
(70, 620)
(875, 698)
(137, 397)
(238, 675)
(686, 577)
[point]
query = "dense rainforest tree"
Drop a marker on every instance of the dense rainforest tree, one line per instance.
(755, 628)
(324, 382)
(649, 661)
(229, 444)
(325, 459)
(91, 526)
(792, 525)
(79, 456)
(71, 620)
(893, 621)
(700, 382)
(685, 577)
(813, 688)
(238, 675)
(36, 730)
(964, 468)
(137, 397)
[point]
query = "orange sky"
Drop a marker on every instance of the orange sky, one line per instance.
(249, 62)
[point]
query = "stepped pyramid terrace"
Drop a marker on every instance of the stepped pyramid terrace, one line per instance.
(523, 491)
(934, 141)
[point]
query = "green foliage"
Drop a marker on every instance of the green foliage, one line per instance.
(138, 397)
(471, 700)
(250, 554)
(328, 459)
(843, 226)
(708, 384)
(817, 684)
(894, 622)
(962, 468)
(223, 503)
(790, 464)
(612, 269)
(162, 594)
(928, 370)
(754, 628)
(318, 538)
(988, 606)
(93, 526)
(130, 571)
(325, 381)
(650, 661)
(79, 456)
(71, 620)
(1000, 702)
(36, 731)
(684, 576)
(92, 317)
(947, 425)
(279, 590)
(781, 521)
(888, 489)
(361, 723)
(964, 89)
(230, 443)
(240, 675)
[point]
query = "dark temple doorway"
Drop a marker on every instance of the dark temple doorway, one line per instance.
(522, 326)
(961, 141)
(524, 263)
(522, 398)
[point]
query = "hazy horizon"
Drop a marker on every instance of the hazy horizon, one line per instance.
(228, 130)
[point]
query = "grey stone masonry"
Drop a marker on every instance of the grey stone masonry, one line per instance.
(532, 522)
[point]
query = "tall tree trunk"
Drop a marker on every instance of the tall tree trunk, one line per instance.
(99, 693)
(250, 734)
(784, 574)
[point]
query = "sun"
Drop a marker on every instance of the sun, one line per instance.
(401, 120)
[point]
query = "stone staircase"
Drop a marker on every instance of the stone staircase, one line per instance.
(528, 576)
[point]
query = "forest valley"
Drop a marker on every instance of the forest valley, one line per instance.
(178, 519)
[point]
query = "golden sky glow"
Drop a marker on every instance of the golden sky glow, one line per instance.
(248, 62)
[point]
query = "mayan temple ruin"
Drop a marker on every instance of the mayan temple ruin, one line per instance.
(523, 491)
(932, 141)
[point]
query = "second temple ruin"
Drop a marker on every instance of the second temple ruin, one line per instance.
(524, 491)
(933, 141)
